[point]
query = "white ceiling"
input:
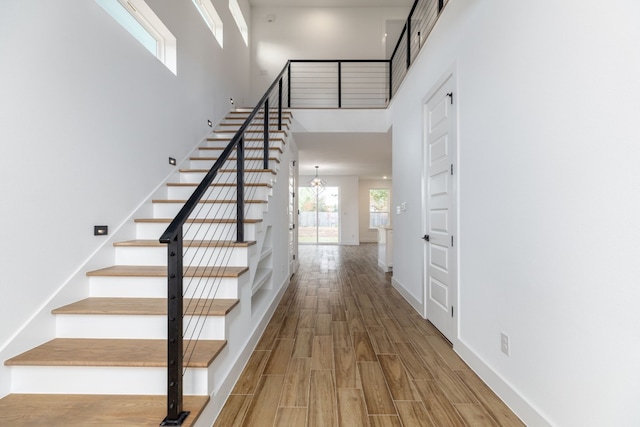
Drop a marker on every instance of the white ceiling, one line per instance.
(367, 155)
(332, 3)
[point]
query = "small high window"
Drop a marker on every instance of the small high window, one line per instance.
(236, 12)
(378, 207)
(143, 24)
(211, 18)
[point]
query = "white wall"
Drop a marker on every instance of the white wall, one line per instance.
(315, 33)
(348, 204)
(548, 105)
(89, 118)
(367, 234)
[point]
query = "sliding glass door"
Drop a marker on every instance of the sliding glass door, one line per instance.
(319, 220)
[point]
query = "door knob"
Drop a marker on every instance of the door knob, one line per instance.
(426, 237)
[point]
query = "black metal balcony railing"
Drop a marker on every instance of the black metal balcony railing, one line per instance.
(302, 83)
(362, 83)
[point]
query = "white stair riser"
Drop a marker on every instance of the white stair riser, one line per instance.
(211, 210)
(229, 177)
(226, 192)
(231, 164)
(136, 327)
(192, 231)
(210, 256)
(156, 287)
(102, 380)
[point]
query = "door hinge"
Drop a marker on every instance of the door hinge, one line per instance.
(294, 256)
(294, 163)
(451, 241)
(451, 168)
(450, 95)
(294, 193)
(451, 311)
(293, 226)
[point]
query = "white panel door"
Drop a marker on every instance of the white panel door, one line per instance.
(440, 207)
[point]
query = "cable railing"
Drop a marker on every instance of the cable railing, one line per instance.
(201, 237)
(362, 83)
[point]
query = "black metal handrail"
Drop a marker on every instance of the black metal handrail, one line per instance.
(173, 237)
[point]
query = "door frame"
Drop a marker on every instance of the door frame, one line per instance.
(450, 74)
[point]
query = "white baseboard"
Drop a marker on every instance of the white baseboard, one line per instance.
(415, 303)
(514, 400)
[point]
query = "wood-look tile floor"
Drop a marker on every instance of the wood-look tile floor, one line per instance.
(345, 349)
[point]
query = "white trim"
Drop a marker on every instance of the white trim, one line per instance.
(415, 303)
(166, 46)
(511, 397)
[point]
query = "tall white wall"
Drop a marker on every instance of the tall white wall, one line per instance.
(347, 204)
(88, 119)
(548, 105)
(315, 33)
(368, 234)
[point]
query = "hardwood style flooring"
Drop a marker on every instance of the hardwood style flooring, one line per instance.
(345, 349)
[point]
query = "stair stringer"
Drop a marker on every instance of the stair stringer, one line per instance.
(255, 311)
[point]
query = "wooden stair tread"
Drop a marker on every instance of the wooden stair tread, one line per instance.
(146, 306)
(223, 138)
(275, 159)
(92, 410)
(208, 201)
(195, 221)
(277, 149)
(114, 352)
(219, 184)
(161, 271)
(147, 243)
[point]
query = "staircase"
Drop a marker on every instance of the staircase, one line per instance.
(107, 364)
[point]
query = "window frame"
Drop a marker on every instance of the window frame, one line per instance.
(238, 16)
(166, 45)
(211, 18)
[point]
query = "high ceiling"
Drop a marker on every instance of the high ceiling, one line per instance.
(366, 155)
(332, 3)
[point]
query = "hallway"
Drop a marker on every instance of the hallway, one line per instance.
(344, 348)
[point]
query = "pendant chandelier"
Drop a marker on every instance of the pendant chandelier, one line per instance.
(317, 182)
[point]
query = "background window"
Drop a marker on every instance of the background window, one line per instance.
(142, 23)
(378, 207)
(236, 12)
(211, 18)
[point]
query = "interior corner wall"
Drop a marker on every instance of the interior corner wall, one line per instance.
(369, 235)
(89, 118)
(314, 33)
(348, 204)
(548, 101)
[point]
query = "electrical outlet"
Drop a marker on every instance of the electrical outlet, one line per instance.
(504, 343)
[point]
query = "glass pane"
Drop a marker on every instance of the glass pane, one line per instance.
(328, 216)
(122, 15)
(307, 232)
(319, 219)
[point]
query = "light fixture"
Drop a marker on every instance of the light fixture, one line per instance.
(317, 182)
